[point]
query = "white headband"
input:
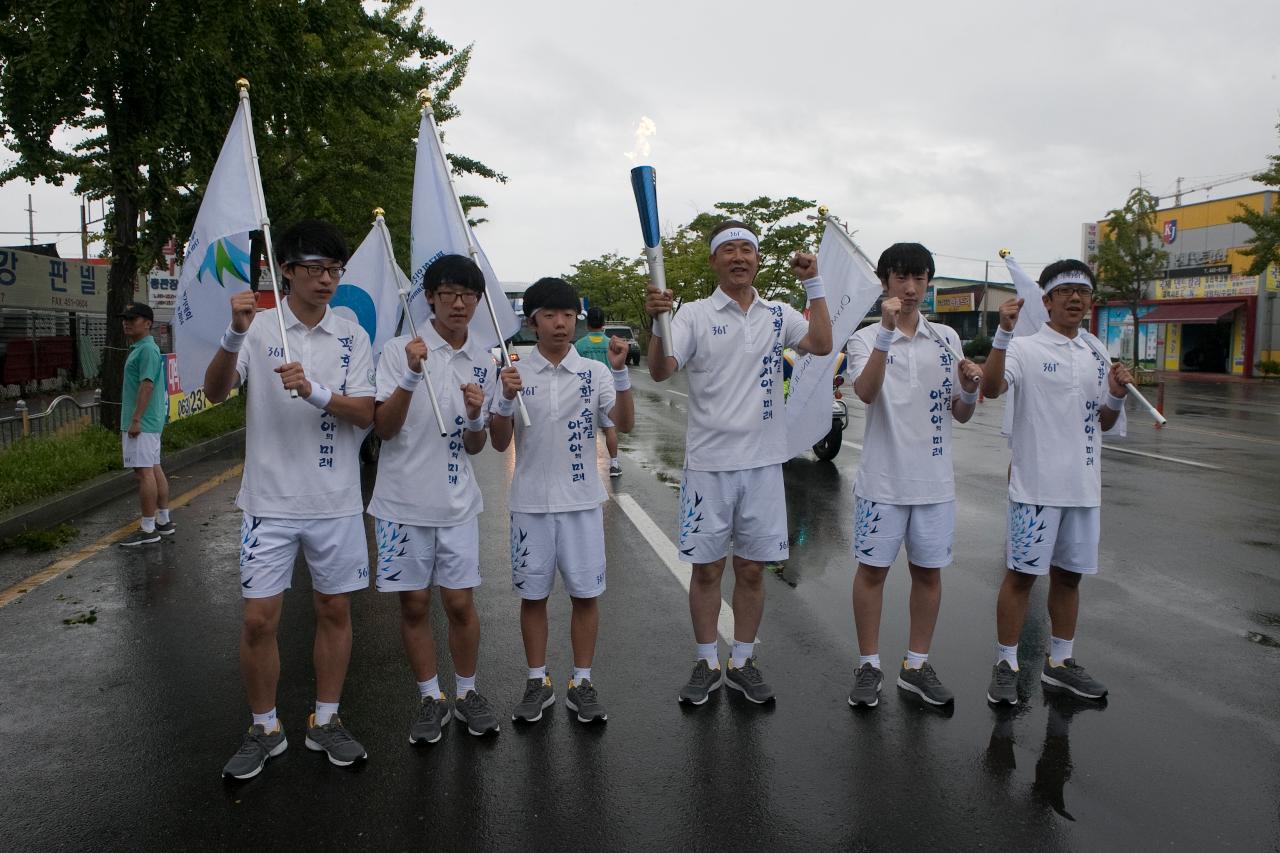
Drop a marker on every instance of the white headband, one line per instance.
(734, 234)
(1068, 277)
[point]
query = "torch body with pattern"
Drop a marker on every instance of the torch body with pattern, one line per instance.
(644, 184)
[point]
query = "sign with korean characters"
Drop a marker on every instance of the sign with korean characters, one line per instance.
(42, 283)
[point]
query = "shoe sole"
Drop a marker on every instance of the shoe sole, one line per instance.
(687, 701)
(995, 701)
(137, 542)
(873, 703)
(167, 532)
(551, 700)
(615, 474)
(315, 747)
(1053, 682)
(916, 690)
(730, 683)
(284, 744)
(435, 739)
(493, 731)
(572, 707)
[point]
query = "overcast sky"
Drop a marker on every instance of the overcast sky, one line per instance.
(967, 126)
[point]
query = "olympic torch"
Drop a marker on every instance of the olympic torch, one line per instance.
(644, 184)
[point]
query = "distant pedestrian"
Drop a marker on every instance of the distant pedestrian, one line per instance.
(595, 346)
(144, 407)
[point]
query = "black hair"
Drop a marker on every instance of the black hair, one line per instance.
(726, 225)
(595, 318)
(554, 294)
(1066, 265)
(905, 259)
(312, 237)
(454, 269)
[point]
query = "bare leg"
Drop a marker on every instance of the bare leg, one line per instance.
(1064, 602)
(704, 600)
(611, 442)
(162, 487)
(926, 598)
(415, 631)
(146, 491)
(1011, 606)
(259, 653)
(533, 630)
(868, 598)
(464, 629)
(333, 644)
(748, 598)
(583, 628)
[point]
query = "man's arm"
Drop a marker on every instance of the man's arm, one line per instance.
(661, 367)
(1116, 380)
(221, 376)
(501, 425)
(993, 384)
(389, 414)
(473, 400)
(868, 383)
(145, 389)
(817, 341)
(623, 413)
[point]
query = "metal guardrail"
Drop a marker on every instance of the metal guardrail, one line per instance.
(65, 415)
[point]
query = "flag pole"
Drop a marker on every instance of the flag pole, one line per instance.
(381, 225)
(424, 98)
(243, 85)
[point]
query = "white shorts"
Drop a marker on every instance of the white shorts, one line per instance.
(880, 528)
(1044, 536)
(142, 451)
(748, 506)
(605, 423)
(543, 541)
(335, 548)
(412, 557)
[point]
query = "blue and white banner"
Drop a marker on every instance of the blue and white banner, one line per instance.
(370, 291)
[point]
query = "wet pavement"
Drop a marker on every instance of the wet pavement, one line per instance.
(117, 729)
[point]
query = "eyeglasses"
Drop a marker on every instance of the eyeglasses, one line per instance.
(449, 297)
(316, 270)
(1084, 291)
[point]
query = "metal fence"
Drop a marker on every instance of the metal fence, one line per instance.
(65, 415)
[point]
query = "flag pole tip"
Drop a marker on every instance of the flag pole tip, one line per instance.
(242, 83)
(424, 97)
(1004, 253)
(377, 211)
(823, 210)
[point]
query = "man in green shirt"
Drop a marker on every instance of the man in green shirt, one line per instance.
(143, 407)
(595, 346)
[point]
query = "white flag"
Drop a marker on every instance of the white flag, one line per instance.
(852, 288)
(1031, 317)
(370, 291)
(216, 263)
(437, 228)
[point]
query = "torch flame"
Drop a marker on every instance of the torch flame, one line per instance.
(645, 128)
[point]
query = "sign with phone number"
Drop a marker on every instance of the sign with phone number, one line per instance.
(183, 405)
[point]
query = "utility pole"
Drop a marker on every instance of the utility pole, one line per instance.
(1177, 194)
(31, 222)
(84, 233)
(982, 303)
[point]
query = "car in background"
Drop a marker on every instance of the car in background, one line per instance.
(628, 333)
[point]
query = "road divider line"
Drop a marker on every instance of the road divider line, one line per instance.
(674, 391)
(852, 444)
(69, 562)
(1175, 459)
(667, 553)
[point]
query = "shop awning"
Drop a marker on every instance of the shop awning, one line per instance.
(1191, 312)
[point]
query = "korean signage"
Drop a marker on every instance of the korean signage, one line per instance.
(1089, 242)
(162, 292)
(51, 284)
(948, 303)
(183, 405)
(1206, 287)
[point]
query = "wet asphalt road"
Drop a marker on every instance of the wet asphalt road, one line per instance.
(116, 731)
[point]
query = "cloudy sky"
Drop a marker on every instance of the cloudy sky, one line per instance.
(967, 126)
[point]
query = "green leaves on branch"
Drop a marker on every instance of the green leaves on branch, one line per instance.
(1264, 246)
(1130, 254)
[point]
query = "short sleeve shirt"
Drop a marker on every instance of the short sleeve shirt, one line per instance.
(734, 361)
(906, 448)
(144, 362)
(425, 479)
(301, 462)
(556, 454)
(593, 345)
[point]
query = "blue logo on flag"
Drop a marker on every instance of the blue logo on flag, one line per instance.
(360, 304)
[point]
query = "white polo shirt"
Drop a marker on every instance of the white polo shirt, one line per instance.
(906, 445)
(734, 359)
(1057, 438)
(556, 455)
(424, 479)
(301, 462)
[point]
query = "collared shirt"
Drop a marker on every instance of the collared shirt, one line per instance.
(734, 358)
(425, 479)
(906, 445)
(593, 345)
(1060, 383)
(556, 454)
(144, 362)
(301, 462)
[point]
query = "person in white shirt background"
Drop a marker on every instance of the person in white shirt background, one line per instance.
(301, 483)
(905, 486)
(556, 491)
(1067, 395)
(426, 503)
(731, 343)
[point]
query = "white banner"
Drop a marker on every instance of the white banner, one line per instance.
(1031, 317)
(369, 292)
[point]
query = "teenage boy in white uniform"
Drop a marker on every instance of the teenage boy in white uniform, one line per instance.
(905, 486)
(426, 503)
(1067, 395)
(732, 343)
(301, 483)
(556, 490)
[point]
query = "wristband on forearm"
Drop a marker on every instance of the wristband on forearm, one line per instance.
(474, 424)
(622, 380)
(409, 379)
(884, 339)
(814, 289)
(1113, 402)
(655, 331)
(504, 407)
(969, 397)
(1002, 339)
(232, 340)
(320, 396)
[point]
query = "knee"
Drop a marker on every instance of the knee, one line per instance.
(334, 609)
(458, 608)
(748, 573)
(929, 579)
(414, 609)
(1019, 583)
(258, 627)
(870, 576)
(1062, 579)
(708, 574)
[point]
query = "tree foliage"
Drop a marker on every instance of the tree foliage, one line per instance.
(1129, 254)
(1264, 245)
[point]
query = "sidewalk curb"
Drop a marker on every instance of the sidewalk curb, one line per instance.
(107, 487)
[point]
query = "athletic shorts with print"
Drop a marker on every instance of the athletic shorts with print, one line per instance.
(335, 550)
(412, 557)
(1044, 536)
(571, 541)
(749, 507)
(879, 529)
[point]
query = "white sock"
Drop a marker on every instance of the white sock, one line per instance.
(614, 461)
(580, 674)
(874, 660)
(148, 524)
(267, 720)
(1059, 650)
(710, 653)
(741, 651)
(915, 660)
(465, 684)
(1008, 654)
(325, 711)
(430, 687)
(162, 515)
(538, 672)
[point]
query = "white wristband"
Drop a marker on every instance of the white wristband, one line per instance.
(655, 331)
(232, 340)
(1002, 338)
(476, 425)
(814, 289)
(320, 396)
(622, 380)
(410, 379)
(1113, 402)
(884, 338)
(504, 407)
(969, 397)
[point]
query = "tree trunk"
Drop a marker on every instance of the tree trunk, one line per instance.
(120, 292)
(1137, 330)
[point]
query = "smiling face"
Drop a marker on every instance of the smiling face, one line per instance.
(1068, 304)
(555, 328)
(735, 263)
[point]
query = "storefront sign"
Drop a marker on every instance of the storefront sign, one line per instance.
(42, 283)
(1206, 287)
(183, 405)
(162, 292)
(948, 303)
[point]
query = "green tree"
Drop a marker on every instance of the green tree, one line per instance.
(1264, 245)
(1129, 255)
(614, 284)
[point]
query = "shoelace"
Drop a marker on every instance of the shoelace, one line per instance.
(1005, 675)
(587, 692)
(335, 730)
(867, 677)
(532, 690)
(253, 741)
(704, 674)
(474, 703)
(750, 673)
(930, 677)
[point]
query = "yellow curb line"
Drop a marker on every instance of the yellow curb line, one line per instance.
(69, 562)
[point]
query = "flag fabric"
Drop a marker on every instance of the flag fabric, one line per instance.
(852, 287)
(216, 263)
(438, 228)
(369, 292)
(1031, 317)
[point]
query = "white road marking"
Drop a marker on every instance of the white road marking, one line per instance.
(1176, 459)
(852, 444)
(670, 557)
(674, 391)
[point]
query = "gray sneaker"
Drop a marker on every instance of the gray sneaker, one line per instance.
(1003, 689)
(333, 739)
(139, 537)
(258, 745)
(749, 680)
(538, 694)
(166, 529)
(866, 686)
(473, 709)
(924, 683)
(429, 724)
(581, 697)
(1072, 676)
(703, 680)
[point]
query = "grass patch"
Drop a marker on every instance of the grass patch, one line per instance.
(38, 541)
(210, 423)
